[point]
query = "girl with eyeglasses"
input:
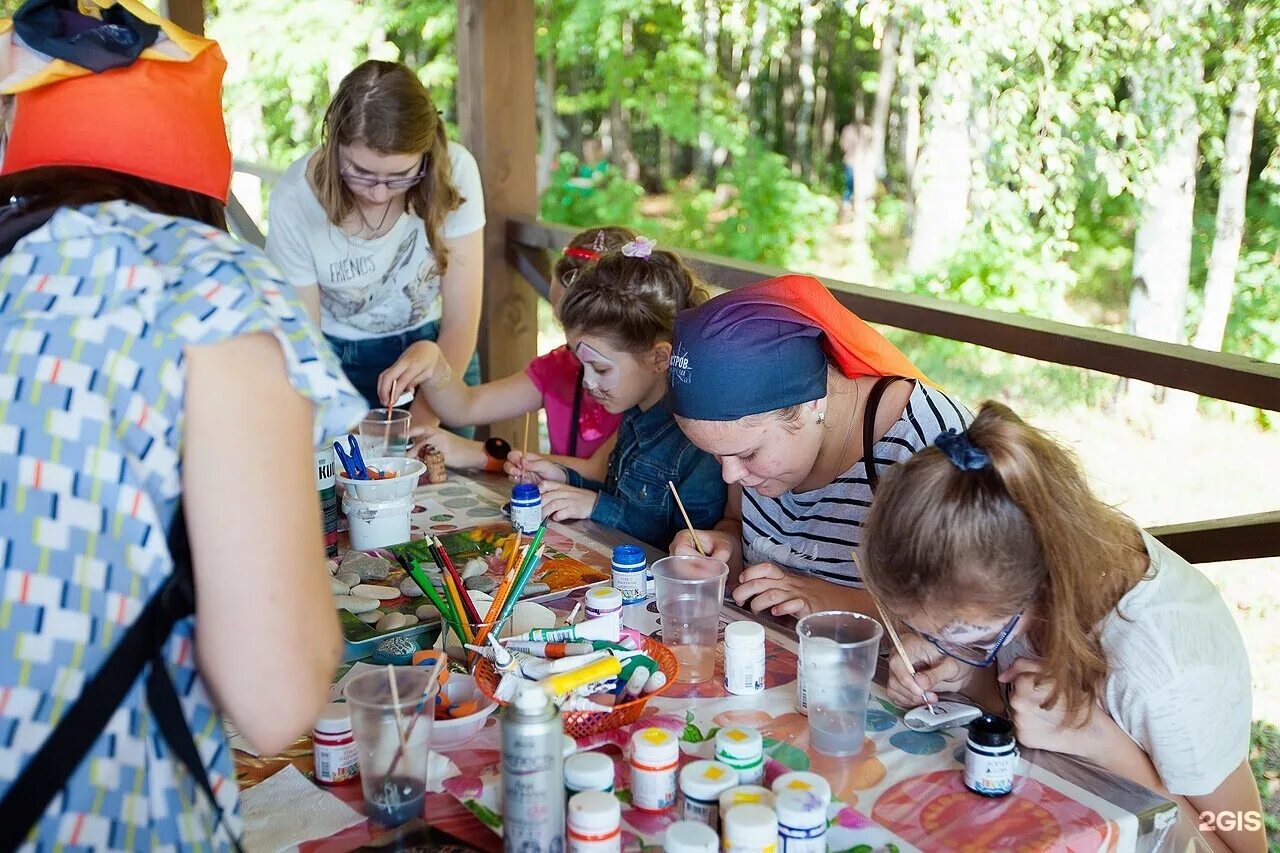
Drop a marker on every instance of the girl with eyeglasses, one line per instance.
(1022, 590)
(381, 228)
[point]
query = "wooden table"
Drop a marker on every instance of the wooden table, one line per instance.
(903, 791)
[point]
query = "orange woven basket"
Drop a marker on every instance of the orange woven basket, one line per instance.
(580, 724)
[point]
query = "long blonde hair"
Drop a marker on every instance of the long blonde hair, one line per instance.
(1024, 530)
(385, 106)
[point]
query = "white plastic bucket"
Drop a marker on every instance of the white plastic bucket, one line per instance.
(377, 524)
(407, 472)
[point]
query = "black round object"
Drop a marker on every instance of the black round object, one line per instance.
(497, 448)
(991, 730)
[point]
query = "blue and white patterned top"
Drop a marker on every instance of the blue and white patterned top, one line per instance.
(95, 309)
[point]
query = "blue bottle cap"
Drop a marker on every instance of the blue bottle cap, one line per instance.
(525, 492)
(628, 555)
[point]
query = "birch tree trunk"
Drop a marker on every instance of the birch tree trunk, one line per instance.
(804, 114)
(550, 148)
(942, 177)
(884, 96)
(755, 53)
(710, 52)
(910, 124)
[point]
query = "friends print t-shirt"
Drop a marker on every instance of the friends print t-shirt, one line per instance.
(368, 288)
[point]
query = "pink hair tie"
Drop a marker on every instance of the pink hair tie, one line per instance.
(581, 254)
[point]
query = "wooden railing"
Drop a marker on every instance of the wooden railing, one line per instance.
(1216, 375)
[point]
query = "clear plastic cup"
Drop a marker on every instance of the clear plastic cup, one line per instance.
(380, 436)
(690, 590)
(839, 651)
(394, 779)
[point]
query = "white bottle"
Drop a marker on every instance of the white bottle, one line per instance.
(595, 823)
(689, 836)
(802, 822)
(655, 753)
(744, 657)
(605, 601)
(742, 749)
(745, 794)
(803, 780)
(701, 784)
(750, 828)
(588, 771)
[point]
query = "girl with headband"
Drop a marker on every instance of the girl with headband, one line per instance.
(580, 430)
(381, 228)
(160, 379)
(805, 406)
(1018, 585)
(618, 317)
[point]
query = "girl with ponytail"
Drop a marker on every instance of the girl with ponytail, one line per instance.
(1022, 590)
(381, 228)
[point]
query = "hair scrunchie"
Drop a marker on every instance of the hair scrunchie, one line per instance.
(961, 451)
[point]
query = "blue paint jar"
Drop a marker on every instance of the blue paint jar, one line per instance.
(990, 756)
(526, 508)
(629, 567)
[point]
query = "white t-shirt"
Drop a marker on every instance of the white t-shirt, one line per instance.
(368, 288)
(1178, 680)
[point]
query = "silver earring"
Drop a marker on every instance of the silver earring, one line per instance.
(822, 418)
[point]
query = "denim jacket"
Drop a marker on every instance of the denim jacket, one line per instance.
(635, 498)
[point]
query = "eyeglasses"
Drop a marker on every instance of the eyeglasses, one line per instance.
(980, 655)
(357, 179)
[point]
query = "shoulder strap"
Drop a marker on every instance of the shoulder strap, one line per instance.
(869, 429)
(47, 772)
(17, 222)
(574, 426)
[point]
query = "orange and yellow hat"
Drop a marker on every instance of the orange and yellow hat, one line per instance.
(157, 114)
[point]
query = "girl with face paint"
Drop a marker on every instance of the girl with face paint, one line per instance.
(618, 318)
(580, 430)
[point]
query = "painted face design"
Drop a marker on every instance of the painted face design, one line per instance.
(592, 363)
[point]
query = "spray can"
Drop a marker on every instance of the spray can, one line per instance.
(532, 774)
(327, 487)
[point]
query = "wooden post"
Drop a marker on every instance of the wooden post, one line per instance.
(188, 14)
(496, 116)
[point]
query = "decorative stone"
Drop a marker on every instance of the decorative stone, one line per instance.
(410, 587)
(535, 589)
(427, 612)
(397, 651)
(481, 583)
(367, 566)
(349, 579)
(370, 618)
(369, 590)
(355, 604)
(338, 587)
(332, 566)
(392, 622)
(473, 568)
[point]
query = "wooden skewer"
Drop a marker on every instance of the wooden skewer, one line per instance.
(893, 635)
(386, 433)
(696, 542)
(395, 706)
(418, 712)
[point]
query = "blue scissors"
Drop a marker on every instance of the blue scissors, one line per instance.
(353, 464)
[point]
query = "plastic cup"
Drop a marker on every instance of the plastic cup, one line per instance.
(690, 590)
(839, 651)
(380, 436)
(394, 780)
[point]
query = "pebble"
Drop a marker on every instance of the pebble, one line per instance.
(481, 583)
(332, 566)
(535, 589)
(370, 618)
(354, 604)
(338, 587)
(474, 567)
(425, 612)
(392, 621)
(369, 590)
(395, 650)
(410, 587)
(368, 567)
(350, 579)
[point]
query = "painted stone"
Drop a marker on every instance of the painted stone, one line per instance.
(395, 650)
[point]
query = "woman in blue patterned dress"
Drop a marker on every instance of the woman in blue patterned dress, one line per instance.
(148, 363)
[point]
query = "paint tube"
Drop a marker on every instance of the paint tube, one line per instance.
(537, 668)
(635, 684)
(599, 628)
(582, 703)
(565, 682)
(551, 650)
(656, 682)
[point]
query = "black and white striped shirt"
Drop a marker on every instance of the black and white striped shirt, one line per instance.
(815, 532)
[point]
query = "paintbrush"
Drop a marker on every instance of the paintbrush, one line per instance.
(893, 635)
(386, 433)
(697, 544)
(417, 713)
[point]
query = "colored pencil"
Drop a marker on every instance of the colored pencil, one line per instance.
(447, 616)
(457, 595)
(472, 615)
(500, 594)
(532, 554)
(696, 543)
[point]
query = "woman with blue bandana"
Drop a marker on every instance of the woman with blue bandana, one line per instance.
(805, 406)
(1020, 586)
